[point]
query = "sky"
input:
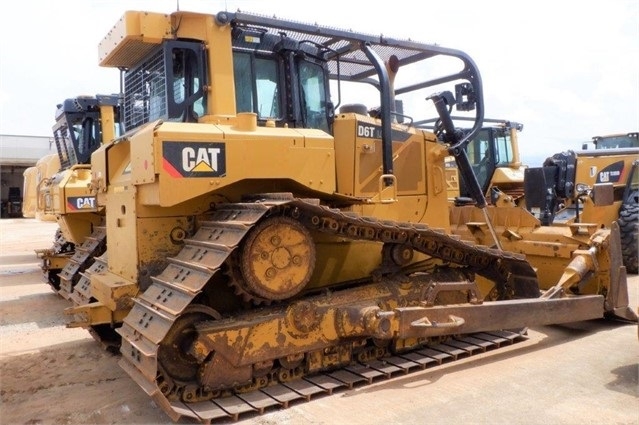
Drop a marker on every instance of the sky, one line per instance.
(567, 70)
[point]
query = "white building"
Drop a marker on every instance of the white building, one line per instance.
(17, 153)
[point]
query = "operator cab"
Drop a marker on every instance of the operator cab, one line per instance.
(77, 131)
(268, 66)
(170, 83)
(490, 149)
(616, 141)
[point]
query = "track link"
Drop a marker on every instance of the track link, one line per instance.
(356, 375)
(157, 309)
(61, 250)
(92, 246)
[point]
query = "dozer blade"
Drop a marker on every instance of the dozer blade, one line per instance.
(617, 303)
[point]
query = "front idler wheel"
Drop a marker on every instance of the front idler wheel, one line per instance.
(173, 352)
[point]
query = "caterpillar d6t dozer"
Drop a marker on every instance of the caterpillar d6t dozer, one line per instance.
(259, 233)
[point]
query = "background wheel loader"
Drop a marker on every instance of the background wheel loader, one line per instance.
(629, 210)
(259, 231)
(565, 195)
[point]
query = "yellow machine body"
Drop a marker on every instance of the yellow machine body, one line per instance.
(307, 161)
(550, 249)
(609, 166)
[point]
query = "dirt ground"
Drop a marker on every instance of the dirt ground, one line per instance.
(583, 373)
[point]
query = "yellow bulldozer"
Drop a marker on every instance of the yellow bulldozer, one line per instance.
(58, 189)
(259, 230)
(45, 167)
(494, 156)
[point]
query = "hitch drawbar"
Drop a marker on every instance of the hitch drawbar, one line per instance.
(414, 322)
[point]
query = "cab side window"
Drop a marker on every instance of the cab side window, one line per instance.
(257, 85)
(313, 92)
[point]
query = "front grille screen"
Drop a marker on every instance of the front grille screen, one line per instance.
(145, 92)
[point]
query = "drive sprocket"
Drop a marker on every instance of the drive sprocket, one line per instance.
(277, 259)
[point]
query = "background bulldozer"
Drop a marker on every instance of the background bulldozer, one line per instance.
(494, 156)
(58, 188)
(45, 167)
(259, 230)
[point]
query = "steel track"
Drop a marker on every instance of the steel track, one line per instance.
(357, 375)
(84, 255)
